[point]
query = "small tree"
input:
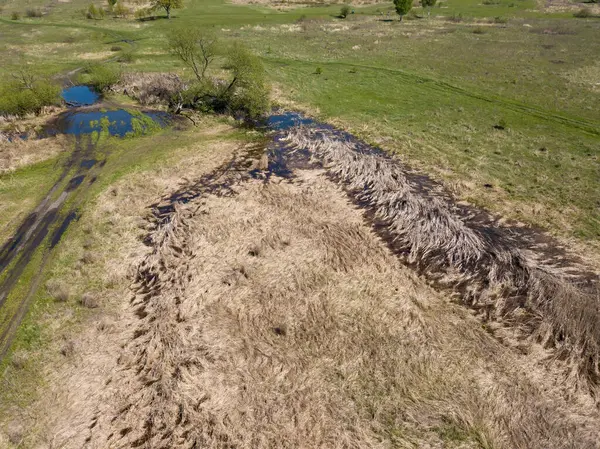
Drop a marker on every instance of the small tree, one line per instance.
(403, 7)
(344, 11)
(167, 5)
(428, 4)
(195, 48)
(111, 4)
(248, 91)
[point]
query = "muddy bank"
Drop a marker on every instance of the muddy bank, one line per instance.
(44, 227)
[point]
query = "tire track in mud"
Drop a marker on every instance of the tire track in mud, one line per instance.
(41, 230)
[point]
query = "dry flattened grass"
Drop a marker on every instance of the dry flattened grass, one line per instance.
(320, 339)
(19, 153)
(493, 274)
(150, 88)
(74, 388)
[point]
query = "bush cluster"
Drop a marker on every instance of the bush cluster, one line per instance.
(100, 76)
(583, 13)
(120, 10)
(94, 12)
(33, 12)
(143, 13)
(19, 99)
(245, 93)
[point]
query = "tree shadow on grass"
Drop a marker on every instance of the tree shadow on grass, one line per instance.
(151, 18)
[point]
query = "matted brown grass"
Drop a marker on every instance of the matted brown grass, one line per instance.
(492, 270)
(112, 228)
(275, 318)
(19, 153)
(268, 314)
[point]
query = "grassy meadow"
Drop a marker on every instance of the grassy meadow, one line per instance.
(499, 100)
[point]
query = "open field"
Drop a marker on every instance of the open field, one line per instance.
(204, 296)
(431, 91)
(265, 313)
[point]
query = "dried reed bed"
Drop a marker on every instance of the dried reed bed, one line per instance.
(492, 274)
(273, 317)
(19, 153)
(150, 88)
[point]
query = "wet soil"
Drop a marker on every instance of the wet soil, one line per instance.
(44, 227)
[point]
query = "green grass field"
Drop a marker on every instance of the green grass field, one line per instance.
(433, 90)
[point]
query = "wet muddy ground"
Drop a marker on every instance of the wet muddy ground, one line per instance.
(43, 228)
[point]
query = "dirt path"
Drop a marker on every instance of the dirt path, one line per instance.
(49, 219)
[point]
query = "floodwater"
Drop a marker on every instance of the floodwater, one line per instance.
(80, 96)
(281, 121)
(79, 121)
(119, 122)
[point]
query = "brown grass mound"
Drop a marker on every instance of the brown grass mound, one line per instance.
(150, 88)
(492, 273)
(319, 339)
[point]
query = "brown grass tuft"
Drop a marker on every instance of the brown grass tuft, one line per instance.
(68, 348)
(58, 290)
(88, 257)
(89, 300)
(19, 359)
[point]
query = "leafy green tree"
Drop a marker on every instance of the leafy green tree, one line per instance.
(428, 4)
(167, 5)
(403, 7)
(344, 11)
(111, 4)
(248, 91)
(195, 47)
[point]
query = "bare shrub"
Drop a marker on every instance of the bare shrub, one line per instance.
(150, 88)
(89, 300)
(58, 290)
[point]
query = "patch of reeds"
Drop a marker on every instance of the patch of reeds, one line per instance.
(491, 273)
